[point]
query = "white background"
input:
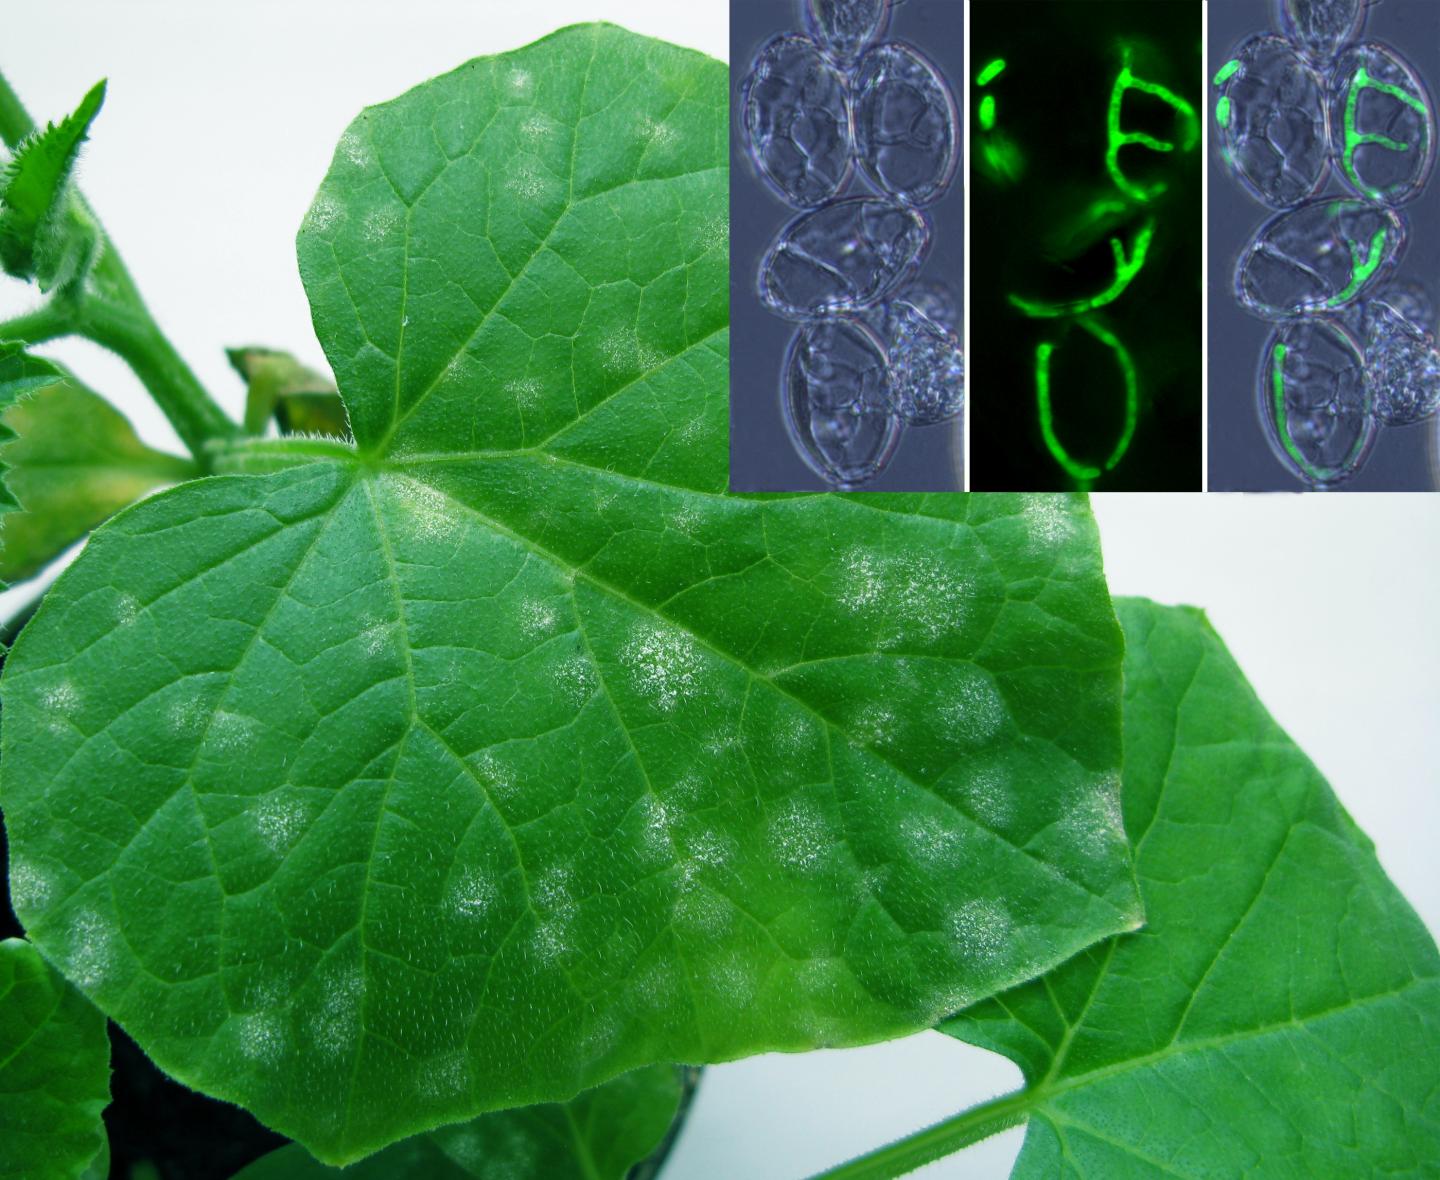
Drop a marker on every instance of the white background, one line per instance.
(220, 122)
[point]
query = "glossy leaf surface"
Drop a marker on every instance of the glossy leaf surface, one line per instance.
(54, 1072)
(68, 459)
(509, 753)
(1279, 1015)
(599, 1135)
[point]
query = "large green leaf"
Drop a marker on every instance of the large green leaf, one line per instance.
(54, 1072)
(44, 233)
(509, 754)
(68, 461)
(1280, 1013)
(599, 1135)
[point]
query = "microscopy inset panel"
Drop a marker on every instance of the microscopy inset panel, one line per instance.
(1086, 245)
(847, 369)
(1324, 245)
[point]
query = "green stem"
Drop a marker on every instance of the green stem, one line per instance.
(933, 1143)
(115, 316)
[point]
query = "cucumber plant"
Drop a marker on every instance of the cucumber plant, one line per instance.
(441, 777)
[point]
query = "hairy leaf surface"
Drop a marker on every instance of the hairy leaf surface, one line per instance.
(507, 749)
(68, 460)
(1279, 1015)
(599, 1135)
(44, 234)
(54, 1072)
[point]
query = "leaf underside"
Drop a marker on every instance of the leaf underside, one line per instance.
(68, 460)
(510, 754)
(1279, 1015)
(599, 1135)
(54, 1071)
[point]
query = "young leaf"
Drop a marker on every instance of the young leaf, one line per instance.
(1280, 1012)
(54, 1072)
(510, 750)
(68, 461)
(300, 399)
(599, 1135)
(44, 234)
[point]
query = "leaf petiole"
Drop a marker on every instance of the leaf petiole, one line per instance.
(935, 1142)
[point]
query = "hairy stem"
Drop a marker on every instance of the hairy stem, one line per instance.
(112, 313)
(936, 1142)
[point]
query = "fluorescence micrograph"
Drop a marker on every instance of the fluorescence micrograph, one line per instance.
(1086, 245)
(1324, 245)
(847, 369)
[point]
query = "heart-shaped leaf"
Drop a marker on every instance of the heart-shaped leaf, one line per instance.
(505, 753)
(54, 1072)
(1279, 1015)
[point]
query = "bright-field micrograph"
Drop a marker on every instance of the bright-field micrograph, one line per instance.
(1325, 121)
(1085, 370)
(847, 365)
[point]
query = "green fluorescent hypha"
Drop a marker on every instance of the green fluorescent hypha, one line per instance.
(441, 778)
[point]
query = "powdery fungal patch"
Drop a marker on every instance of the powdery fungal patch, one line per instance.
(971, 709)
(980, 929)
(127, 610)
(445, 1076)
(909, 597)
(576, 678)
(379, 223)
(231, 733)
(280, 822)
(89, 952)
(520, 82)
(1048, 520)
(261, 1037)
(336, 1023)
(933, 840)
(427, 510)
(663, 664)
(989, 797)
(186, 717)
(354, 149)
(30, 887)
(472, 895)
(64, 699)
(497, 778)
(800, 835)
(323, 213)
(527, 392)
(1094, 823)
(538, 618)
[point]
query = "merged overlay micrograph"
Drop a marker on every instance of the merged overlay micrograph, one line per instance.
(1086, 244)
(847, 365)
(1323, 367)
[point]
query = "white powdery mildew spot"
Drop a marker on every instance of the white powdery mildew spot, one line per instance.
(1094, 823)
(495, 776)
(336, 1023)
(446, 1076)
(734, 981)
(577, 679)
(552, 892)
(536, 128)
(988, 796)
(663, 663)
(64, 699)
(472, 895)
(30, 887)
(874, 724)
(537, 618)
(655, 823)
(379, 223)
(654, 132)
(528, 182)
(685, 520)
(655, 988)
(89, 951)
(1048, 519)
(800, 834)
(323, 213)
(280, 822)
(704, 912)
(980, 928)
(971, 709)
(231, 733)
(127, 610)
(426, 509)
(933, 840)
(549, 941)
(913, 596)
(715, 235)
(354, 149)
(521, 82)
(695, 428)
(262, 1037)
(186, 717)
(527, 392)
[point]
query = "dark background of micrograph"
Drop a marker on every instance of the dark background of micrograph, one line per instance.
(1052, 99)
(762, 458)
(1239, 455)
